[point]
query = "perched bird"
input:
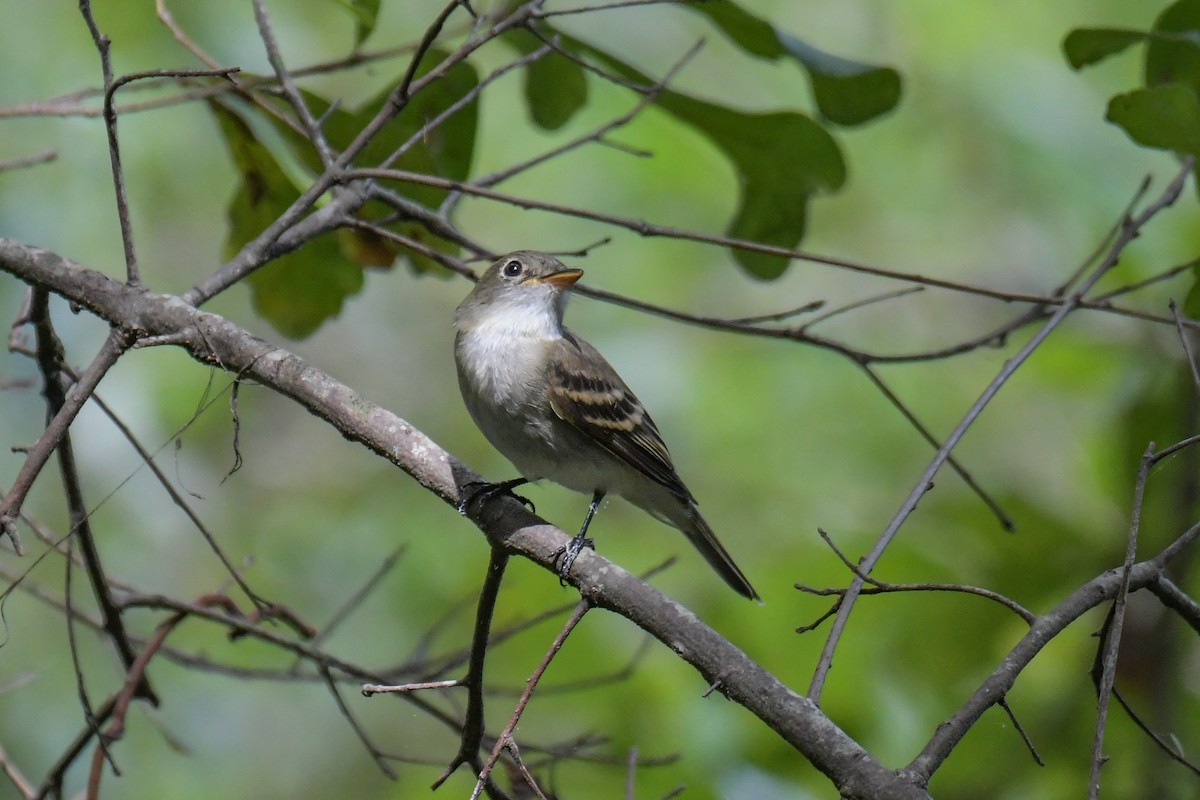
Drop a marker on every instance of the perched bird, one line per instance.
(556, 409)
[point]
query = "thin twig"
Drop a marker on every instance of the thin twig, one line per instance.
(309, 124)
(473, 726)
(645, 101)
(36, 457)
(648, 229)
(15, 777)
(377, 755)
(28, 161)
(133, 681)
(562, 12)
(50, 357)
(103, 46)
(1110, 640)
(1129, 231)
(1172, 752)
(356, 599)
(1186, 344)
(1174, 598)
(422, 135)
(1037, 759)
(1045, 628)
(880, 587)
(582, 608)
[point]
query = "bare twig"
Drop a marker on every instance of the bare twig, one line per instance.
(506, 735)
(473, 726)
(646, 100)
(381, 760)
(356, 599)
(1186, 344)
(1100, 589)
(648, 229)
(1172, 752)
(36, 457)
(18, 780)
(1177, 600)
(28, 161)
(103, 45)
(588, 9)
(50, 362)
(308, 123)
(1105, 670)
(1129, 231)
(1037, 759)
(135, 679)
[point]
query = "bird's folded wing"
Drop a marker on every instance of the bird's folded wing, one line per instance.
(587, 392)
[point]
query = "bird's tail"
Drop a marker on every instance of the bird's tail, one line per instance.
(704, 540)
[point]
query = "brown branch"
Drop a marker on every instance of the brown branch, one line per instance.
(15, 777)
(36, 457)
(505, 738)
(50, 357)
(648, 229)
(28, 161)
(473, 725)
(1130, 229)
(1105, 669)
(1174, 598)
(308, 123)
(1101, 589)
(103, 47)
(135, 679)
(214, 340)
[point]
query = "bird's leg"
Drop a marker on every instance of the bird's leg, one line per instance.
(482, 490)
(566, 555)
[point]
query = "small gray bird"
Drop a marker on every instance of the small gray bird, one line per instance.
(556, 409)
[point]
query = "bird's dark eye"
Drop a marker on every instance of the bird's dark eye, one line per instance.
(513, 268)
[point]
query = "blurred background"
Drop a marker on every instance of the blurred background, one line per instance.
(996, 169)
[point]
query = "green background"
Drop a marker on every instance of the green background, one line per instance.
(996, 169)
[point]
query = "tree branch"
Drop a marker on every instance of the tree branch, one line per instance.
(1099, 590)
(212, 339)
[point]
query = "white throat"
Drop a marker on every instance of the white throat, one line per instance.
(501, 347)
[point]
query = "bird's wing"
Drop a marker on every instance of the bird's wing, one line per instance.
(587, 392)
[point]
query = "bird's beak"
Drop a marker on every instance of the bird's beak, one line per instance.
(562, 279)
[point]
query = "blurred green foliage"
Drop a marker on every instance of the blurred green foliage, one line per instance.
(996, 168)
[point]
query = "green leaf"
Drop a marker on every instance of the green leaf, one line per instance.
(366, 14)
(1085, 46)
(555, 86)
(753, 34)
(447, 150)
(1173, 55)
(1166, 117)
(846, 92)
(297, 291)
(782, 159)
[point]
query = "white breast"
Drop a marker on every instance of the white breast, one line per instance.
(501, 372)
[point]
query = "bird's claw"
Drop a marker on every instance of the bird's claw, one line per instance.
(564, 557)
(485, 491)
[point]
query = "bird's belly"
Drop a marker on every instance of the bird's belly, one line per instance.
(542, 446)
